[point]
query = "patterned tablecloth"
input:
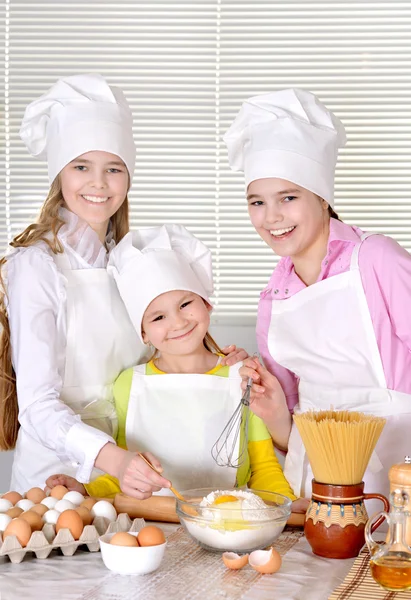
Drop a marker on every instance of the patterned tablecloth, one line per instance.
(187, 573)
(359, 584)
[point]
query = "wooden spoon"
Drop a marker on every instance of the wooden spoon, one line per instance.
(174, 491)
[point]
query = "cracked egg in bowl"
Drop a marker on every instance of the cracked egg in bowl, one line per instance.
(234, 520)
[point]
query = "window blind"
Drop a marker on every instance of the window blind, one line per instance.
(185, 68)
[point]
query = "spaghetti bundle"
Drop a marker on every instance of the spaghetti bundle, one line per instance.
(339, 444)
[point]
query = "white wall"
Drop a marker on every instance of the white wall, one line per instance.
(223, 335)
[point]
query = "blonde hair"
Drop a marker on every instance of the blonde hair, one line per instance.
(48, 222)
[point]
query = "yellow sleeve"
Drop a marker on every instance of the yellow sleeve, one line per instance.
(266, 471)
(107, 486)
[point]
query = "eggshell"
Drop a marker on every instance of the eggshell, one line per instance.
(265, 561)
(40, 509)
(89, 503)
(74, 497)
(14, 497)
(5, 505)
(50, 502)
(36, 495)
(150, 536)
(33, 519)
(85, 514)
(4, 521)
(51, 516)
(25, 504)
(124, 539)
(14, 512)
(102, 508)
(63, 505)
(70, 519)
(21, 529)
(234, 561)
(58, 492)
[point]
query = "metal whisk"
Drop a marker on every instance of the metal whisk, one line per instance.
(226, 445)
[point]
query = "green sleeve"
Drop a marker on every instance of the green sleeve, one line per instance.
(122, 387)
(107, 486)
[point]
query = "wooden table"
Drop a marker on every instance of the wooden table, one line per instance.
(187, 573)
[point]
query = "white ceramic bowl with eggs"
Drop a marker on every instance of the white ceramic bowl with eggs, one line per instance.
(243, 530)
(128, 560)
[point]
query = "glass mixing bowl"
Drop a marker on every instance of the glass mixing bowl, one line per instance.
(224, 528)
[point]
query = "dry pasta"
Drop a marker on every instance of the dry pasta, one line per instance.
(339, 444)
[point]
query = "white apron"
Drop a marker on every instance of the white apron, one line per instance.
(179, 418)
(101, 342)
(324, 334)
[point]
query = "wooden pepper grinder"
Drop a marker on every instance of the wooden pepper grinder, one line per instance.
(400, 478)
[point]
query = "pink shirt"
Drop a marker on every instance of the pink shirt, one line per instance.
(385, 269)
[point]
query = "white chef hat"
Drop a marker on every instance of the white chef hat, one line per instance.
(150, 262)
(290, 135)
(79, 114)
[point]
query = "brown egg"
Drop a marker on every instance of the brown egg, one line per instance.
(36, 495)
(40, 509)
(150, 536)
(14, 512)
(33, 519)
(88, 503)
(124, 539)
(85, 514)
(265, 561)
(13, 497)
(58, 492)
(70, 519)
(21, 529)
(234, 561)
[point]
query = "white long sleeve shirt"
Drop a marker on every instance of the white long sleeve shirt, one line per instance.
(37, 316)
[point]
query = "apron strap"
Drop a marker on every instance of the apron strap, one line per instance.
(356, 251)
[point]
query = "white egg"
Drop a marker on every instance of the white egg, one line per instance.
(63, 505)
(51, 516)
(74, 497)
(50, 502)
(4, 521)
(104, 509)
(25, 504)
(5, 505)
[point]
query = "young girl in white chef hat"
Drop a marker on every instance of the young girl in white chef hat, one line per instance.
(176, 405)
(333, 328)
(66, 334)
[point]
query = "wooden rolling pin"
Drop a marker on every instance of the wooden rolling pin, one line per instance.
(163, 508)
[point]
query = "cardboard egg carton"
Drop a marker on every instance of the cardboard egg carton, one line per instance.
(44, 541)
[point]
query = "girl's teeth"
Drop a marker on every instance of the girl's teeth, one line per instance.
(278, 232)
(96, 199)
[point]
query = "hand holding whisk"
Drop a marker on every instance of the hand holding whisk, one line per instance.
(230, 450)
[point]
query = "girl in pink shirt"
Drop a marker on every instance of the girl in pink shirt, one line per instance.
(332, 326)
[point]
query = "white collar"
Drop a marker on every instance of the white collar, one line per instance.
(79, 238)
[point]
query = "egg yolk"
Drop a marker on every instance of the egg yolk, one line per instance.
(224, 499)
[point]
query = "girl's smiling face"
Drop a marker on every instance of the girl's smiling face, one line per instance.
(289, 218)
(176, 322)
(94, 186)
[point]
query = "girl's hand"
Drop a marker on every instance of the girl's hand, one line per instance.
(266, 393)
(234, 355)
(137, 479)
(300, 505)
(69, 482)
